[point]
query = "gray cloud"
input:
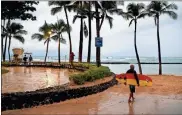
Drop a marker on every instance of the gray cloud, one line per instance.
(118, 41)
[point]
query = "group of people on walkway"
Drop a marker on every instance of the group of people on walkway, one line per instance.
(29, 59)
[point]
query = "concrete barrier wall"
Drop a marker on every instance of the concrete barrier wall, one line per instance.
(29, 99)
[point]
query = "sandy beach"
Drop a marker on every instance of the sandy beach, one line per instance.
(164, 97)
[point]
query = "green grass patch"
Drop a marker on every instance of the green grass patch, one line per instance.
(92, 74)
(3, 71)
(5, 63)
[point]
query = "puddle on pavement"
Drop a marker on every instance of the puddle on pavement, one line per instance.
(32, 78)
(143, 104)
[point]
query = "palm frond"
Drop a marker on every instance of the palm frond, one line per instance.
(131, 22)
(143, 14)
(38, 36)
(108, 4)
(75, 17)
(19, 38)
(85, 29)
(140, 6)
(126, 15)
(3, 28)
(110, 20)
(46, 41)
(130, 6)
(67, 28)
(55, 37)
(21, 32)
(55, 10)
(56, 3)
(45, 28)
(172, 14)
(63, 41)
(115, 11)
(170, 7)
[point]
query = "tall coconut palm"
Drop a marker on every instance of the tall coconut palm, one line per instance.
(84, 12)
(103, 7)
(58, 6)
(81, 14)
(46, 35)
(90, 31)
(156, 9)
(6, 39)
(15, 30)
(2, 36)
(58, 28)
(135, 12)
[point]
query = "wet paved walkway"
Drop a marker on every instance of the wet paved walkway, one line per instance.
(109, 102)
(32, 78)
(164, 97)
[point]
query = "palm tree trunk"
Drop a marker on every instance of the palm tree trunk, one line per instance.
(90, 34)
(4, 53)
(159, 47)
(98, 35)
(81, 39)
(69, 35)
(47, 50)
(137, 56)
(81, 42)
(9, 47)
(2, 39)
(59, 50)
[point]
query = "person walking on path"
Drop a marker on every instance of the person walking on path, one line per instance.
(72, 57)
(132, 87)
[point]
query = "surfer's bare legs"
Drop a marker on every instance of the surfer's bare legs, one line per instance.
(133, 97)
(129, 100)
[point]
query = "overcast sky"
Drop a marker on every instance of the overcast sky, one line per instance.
(118, 41)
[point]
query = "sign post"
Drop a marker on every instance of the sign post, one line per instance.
(98, 42)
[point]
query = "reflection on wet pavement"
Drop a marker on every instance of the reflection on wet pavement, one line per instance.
(109, 103)
(144, 104)
(30, 79)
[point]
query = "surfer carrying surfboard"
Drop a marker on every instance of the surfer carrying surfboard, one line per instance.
(132, 87)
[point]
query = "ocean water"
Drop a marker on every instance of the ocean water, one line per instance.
(115, 59)
(173, 69)
(170, 69)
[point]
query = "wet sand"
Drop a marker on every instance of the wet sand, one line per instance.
(29, 79)
(164, 97)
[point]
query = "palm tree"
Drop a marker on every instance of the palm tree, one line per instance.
(90, 31)
(15, 30)
(105, 7)
(6, 39)
(135, 12)
(83, 9)
(81, 14)
(155, 9)
(2, 36)
(59, 5)
(58, 28)
(46, 35)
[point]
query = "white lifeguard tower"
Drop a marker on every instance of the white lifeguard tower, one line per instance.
(17, 54)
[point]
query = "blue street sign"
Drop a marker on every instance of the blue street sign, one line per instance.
(98, 41)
